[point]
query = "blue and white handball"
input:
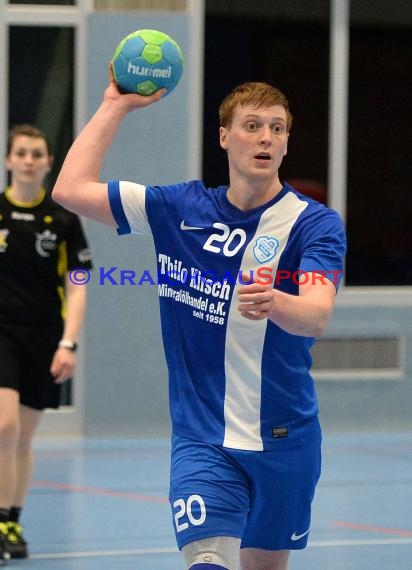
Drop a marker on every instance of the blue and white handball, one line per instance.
(146, 61)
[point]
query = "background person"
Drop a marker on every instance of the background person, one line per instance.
(246, 436)
(41, 314)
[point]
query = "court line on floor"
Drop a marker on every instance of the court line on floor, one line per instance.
(372, 528)
(99, 553)
(147, 551)
(359, 542)
(99, 491)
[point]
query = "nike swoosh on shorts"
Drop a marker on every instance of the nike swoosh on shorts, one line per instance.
(299, 536)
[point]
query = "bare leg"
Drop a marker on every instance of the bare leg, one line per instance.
(29, 421)
(257, 559)
(9, 433)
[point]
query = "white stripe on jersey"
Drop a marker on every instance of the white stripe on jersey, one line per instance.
(245, 338)
(134, 205)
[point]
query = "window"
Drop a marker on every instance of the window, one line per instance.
(41, 93)
(41, 84)
(45, 2)
(283, 43)
(287, 44)
(379, 201)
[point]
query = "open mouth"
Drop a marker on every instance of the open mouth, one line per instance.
(263, 156)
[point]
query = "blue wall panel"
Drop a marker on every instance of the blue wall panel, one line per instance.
(125, 374)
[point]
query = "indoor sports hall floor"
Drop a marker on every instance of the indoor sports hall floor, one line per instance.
(97, 504)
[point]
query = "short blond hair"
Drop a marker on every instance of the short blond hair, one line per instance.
(257, 95)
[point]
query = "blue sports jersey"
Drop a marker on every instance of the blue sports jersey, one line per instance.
(234, 382)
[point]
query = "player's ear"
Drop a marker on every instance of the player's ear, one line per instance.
(51, 160)
(223, 137)
(286, 146)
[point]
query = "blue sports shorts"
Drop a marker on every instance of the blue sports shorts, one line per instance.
(262, 497)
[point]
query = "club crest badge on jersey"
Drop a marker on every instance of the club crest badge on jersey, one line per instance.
(45, 242)
(265, 248)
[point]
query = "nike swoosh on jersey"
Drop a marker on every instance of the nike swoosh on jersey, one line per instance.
(299, 536)
(183, 226)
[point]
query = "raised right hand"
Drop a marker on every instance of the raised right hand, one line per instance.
(130, 100)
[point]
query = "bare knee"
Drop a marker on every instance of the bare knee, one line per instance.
(29, 421)
(9, 431)
(25, 438)
(9, 417)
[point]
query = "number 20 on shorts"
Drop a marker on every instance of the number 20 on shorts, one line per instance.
(185, 513)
